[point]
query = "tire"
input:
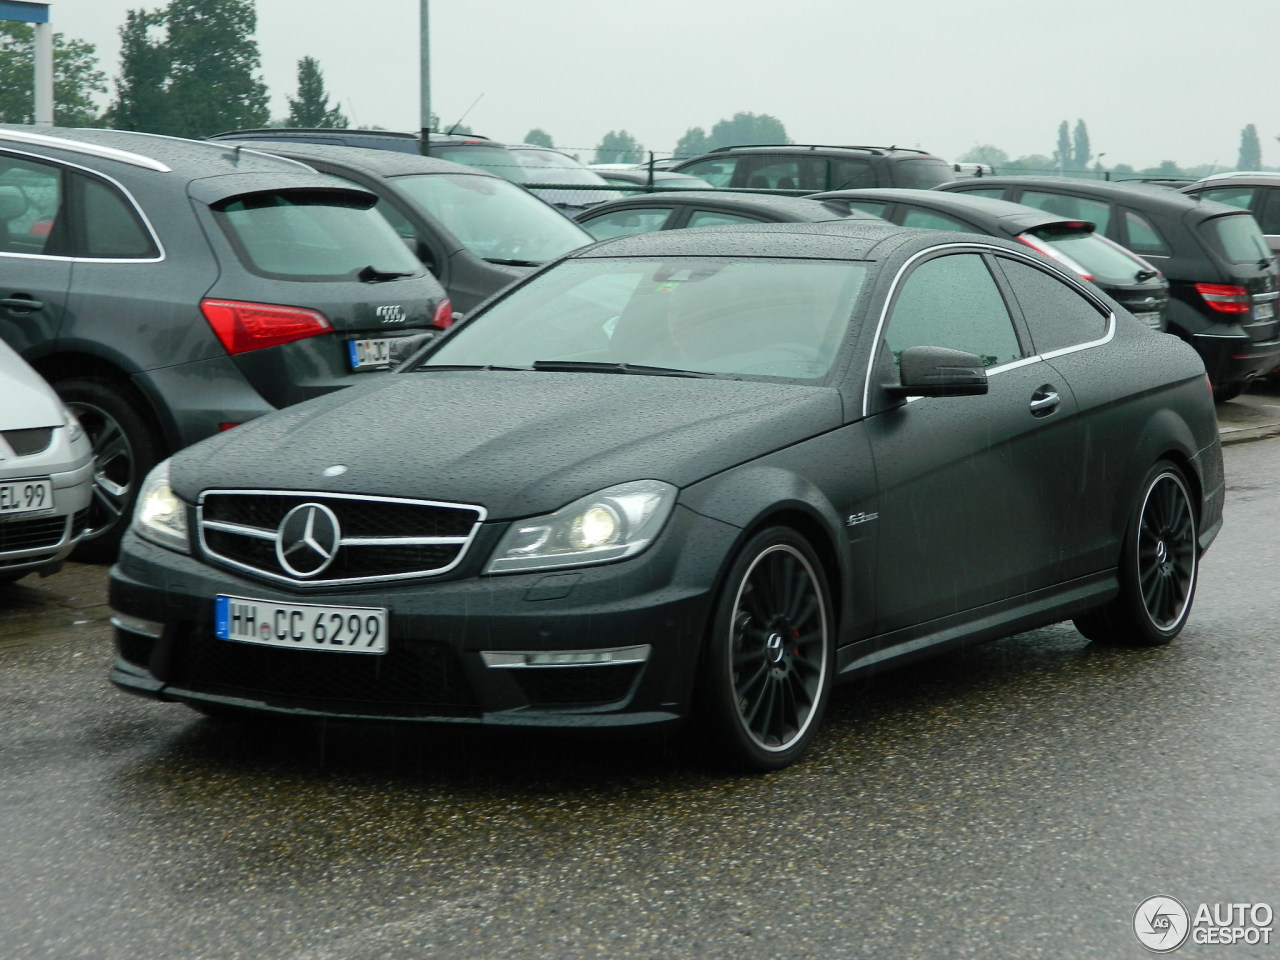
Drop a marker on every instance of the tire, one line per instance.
(1228, 391)
(125, 448)
(1159, 567)
(770, 655)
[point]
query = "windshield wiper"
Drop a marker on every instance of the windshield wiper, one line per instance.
(372, 274)
(608, 366)
(464, 366)
(514, 263)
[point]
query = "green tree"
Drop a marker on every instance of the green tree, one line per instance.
(747, 128)
(311, 108)
(618, 146)
(213, 82)
(76, 78)
(692, 144)
(1250, 149)
(539, 137)
(142, 102)
(993, 157)
(1034, 163)
(1062, 156)
(1080, 155)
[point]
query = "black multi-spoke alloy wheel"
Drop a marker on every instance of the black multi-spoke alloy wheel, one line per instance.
(770, 653)
(1159, 567)
(125, 447)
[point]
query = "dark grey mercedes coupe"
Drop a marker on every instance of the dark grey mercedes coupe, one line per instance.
(694, 477)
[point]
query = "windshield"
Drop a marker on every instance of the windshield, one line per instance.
(557, 170)
(1102, 259)
(495, 219)
(1240, 238)
(713, 315)
(305, 235)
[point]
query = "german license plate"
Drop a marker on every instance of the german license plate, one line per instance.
(369, 354)
(301, 626)
(26, 496)
(1264, 311)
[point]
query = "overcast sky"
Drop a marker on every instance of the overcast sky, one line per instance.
(1153, 80)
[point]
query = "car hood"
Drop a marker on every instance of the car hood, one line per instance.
(517, 443)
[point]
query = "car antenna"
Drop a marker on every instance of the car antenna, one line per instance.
(457, 123)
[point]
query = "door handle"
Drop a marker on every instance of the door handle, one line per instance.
(21, 304)
(1044, 401)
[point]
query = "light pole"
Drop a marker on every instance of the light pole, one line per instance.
(424, 76)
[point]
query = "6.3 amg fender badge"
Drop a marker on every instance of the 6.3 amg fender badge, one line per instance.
(856, 518)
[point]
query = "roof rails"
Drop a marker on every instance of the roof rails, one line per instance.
(879, 151)
(329, 130)
(91, 149)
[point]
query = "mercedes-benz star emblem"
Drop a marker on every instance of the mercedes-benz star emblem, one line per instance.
(307, 539)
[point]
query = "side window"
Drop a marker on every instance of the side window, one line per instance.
(995, 193)
(717, 171)
(781, 173)
(1144, 238)
(915, 217)
(1235, 196)
(852, 174)
(1077, 208)
(112, 228)
(709, 218)
(623, 223)
(953, 301)
(1057, 315)
(30, 207)
(1269, 215)
(874, 207)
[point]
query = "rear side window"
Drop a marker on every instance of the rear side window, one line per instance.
(717, 171)
(624, 223)
(1234, 196)
(922, 173)
(775, 173)
(852, 174)
(112, 228)
(309, 235)
(1269, 215)
(1143, 237)
(712, 218)
(929, 219)
(1238, 238)
(1057, 316)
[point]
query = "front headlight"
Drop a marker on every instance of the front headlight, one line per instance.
(69, 419)
(159, 515)
(616, 522)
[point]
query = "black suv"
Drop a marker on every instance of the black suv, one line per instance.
(170, 289)
(802, 168)
(1222, 277)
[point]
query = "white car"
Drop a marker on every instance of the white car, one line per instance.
(46, 473)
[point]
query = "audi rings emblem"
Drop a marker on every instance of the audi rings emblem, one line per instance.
(307, 540)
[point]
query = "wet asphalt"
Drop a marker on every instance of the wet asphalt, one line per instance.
(1018, 799)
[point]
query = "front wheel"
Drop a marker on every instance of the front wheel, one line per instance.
(1159, 566)
(770, 655)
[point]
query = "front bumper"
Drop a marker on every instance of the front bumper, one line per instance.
(458, 647)
(41, 542)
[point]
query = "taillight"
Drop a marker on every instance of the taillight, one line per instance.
(1225, 297)
(251, 326)
(443, 317)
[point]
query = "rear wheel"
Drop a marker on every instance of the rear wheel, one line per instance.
(125, 447)
(1159, 567)
(770, 654)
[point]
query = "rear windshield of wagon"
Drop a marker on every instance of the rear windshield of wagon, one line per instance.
(1238, 238)
(314, 235)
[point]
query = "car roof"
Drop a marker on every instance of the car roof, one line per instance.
(799, 208)
(1248, 177)
(381, 163)
(1135, 193)
(190, 158)
(815, 147)
(848, 239)
(1017, 215)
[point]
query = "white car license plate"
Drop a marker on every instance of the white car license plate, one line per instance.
(301, 626)
(369, 354)
(26, 496)
(1264, 311)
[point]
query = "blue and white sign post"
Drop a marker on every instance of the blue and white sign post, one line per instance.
(36, 12)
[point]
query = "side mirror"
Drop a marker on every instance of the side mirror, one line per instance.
(939, 372)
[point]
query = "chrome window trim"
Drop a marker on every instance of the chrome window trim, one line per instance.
(137, 207)
(962, 246)
(261, 533)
